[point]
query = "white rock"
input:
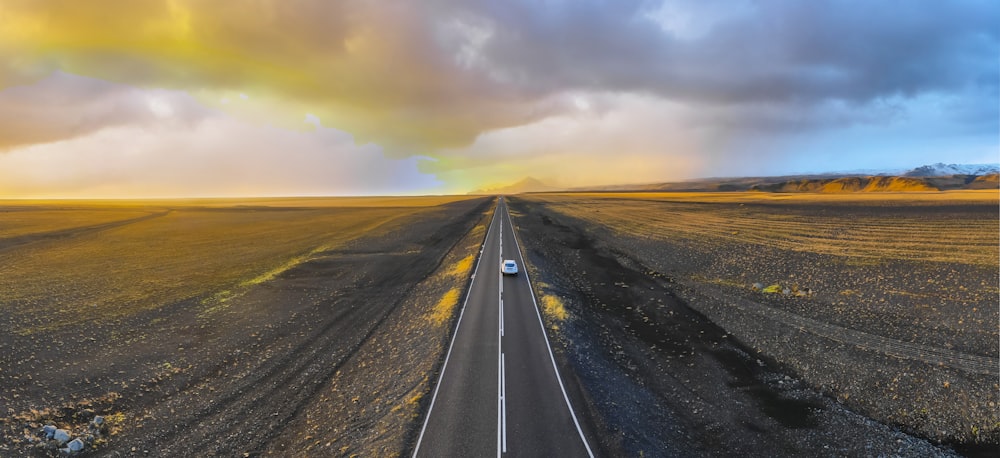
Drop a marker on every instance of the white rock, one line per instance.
(75, 445)
(48, 431)
(61, 436)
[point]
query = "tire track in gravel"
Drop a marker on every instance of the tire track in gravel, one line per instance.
(865, 341)
(9, 243)
(308, 364)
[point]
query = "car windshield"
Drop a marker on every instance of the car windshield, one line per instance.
(509, 263)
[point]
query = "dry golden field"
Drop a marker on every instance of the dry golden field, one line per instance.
(71, 262)
(694, 218)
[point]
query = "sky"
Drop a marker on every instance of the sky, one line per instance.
(182, 98)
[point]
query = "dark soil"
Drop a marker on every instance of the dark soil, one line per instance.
(257, 376)
(667, 365)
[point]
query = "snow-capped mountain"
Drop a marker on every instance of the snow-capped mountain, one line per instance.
(942, 169)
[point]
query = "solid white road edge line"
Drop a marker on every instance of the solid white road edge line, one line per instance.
(430, 409)
(503, 395)
(545, 334)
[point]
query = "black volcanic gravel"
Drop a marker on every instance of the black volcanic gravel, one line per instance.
(669, 364)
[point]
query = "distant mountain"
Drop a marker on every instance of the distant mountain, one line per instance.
(991, 181)
(526, 185)
(883, 184)
(933, 177)
(849, 184)
(941, 169)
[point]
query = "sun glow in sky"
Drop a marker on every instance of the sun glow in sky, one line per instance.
(160, 98)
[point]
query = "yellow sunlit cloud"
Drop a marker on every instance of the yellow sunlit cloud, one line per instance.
(364, 69)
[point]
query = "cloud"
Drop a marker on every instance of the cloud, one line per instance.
(221, 157)
(771, 50)
(117, 141)
(605, 139)
(616, 138)
(374, 69)
(62, 106)
(463, 82)
(425, 76)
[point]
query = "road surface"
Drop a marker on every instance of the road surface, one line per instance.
(499, 391)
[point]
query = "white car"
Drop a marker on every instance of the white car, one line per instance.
(509, 267)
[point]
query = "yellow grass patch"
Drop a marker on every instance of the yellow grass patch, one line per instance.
(772, 289)
(553, 307)
(446, 306)
(409, 402)
(463, 267)
(115, 419)
(218, 300)
(457, 274)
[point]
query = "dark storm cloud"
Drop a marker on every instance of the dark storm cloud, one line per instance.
(768, 51)
(735, 74)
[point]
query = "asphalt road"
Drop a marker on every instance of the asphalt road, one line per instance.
(499, 391)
